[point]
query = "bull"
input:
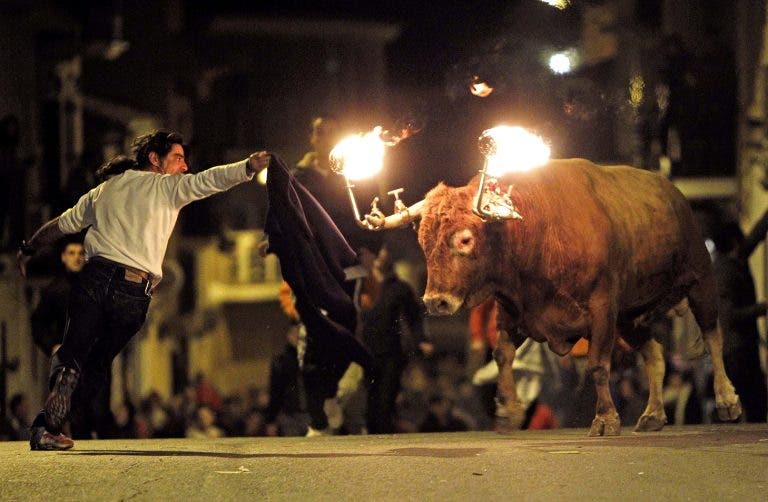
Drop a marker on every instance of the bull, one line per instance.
(600, 252)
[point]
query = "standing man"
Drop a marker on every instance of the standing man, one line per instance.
(739, 311)
(394, 311)
(50, 315)
(131, 217)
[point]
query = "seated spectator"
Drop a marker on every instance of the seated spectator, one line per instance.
(205, 425)
(254, 424)
(441, 417)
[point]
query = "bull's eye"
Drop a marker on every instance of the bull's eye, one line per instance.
(463, 242)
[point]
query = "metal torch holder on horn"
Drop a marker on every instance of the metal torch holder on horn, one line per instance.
(490, 202)
(375, 219)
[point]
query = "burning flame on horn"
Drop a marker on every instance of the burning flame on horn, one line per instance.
(560, 4)
(361, 156)
(508, 149)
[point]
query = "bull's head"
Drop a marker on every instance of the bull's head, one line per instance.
(455, 245)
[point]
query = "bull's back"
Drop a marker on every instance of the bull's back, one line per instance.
(665, 253)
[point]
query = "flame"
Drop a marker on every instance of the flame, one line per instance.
(509, 149)
(560, 4)
(359, 156)
(480, 88)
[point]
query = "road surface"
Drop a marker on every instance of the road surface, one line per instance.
(724, 462)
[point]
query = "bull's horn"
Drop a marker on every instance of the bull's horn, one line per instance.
(404, 216)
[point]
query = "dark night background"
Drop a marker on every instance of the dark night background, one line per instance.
(236, 77)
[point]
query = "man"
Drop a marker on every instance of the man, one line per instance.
(131, 217)
(739, 311)
(50, 315)
(393, 311)
(285, 415)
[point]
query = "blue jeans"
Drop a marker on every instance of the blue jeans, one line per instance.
(105, 311)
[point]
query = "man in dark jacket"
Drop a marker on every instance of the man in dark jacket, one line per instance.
(739, 311)
(50, 315)
(392, 313)
(285, 413)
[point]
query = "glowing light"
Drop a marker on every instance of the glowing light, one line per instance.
(262, 177)
(359, 156)
(636, 91)
(509, 149)
(480, 88)
(560, 4)
(560, 63)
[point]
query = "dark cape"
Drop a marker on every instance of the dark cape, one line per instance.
(313, 255)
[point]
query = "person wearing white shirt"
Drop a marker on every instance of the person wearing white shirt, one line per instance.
(129, 217)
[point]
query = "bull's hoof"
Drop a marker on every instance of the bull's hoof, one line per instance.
(650, 423)
(508, 421)
(729, 412)
(605, 426)
(505, 426)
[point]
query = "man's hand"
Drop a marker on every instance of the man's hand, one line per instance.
(256, 162)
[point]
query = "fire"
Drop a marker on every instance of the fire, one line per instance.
(480, 88)
(560, 4)
(359, 156)
(509, 149)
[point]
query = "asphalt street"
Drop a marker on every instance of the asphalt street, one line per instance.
(724, 462)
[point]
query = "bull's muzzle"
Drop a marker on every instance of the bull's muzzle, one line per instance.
(441, 304)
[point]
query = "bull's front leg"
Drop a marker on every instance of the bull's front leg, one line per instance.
(510, 413)
(603, 311)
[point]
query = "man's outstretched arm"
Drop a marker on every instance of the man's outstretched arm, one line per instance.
(45, 235)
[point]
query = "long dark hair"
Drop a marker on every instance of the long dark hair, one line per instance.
(159, 142)
(117, 165)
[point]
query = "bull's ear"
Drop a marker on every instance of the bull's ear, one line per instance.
(463, 242)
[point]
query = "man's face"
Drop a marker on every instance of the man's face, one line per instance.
(174, 162)
(73, 257)
(324, 135)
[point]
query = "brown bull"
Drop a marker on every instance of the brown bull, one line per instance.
(599, 253)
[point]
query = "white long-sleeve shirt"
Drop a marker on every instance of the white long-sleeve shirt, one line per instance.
(133, 214)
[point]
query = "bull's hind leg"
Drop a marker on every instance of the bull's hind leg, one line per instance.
(702, 302)
(606, 422)
(653, 418)
(509, 412)
(726, 400)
